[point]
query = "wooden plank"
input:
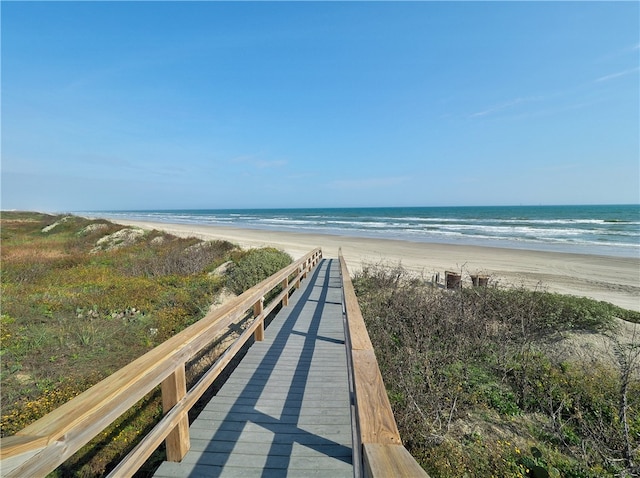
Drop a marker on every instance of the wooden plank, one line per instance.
(285, 287)
(357, 330)
(214, 417)
(17, 445)
(266, 436)
(14, 450)
(265, 448)
(289, 374)
(289, 462)
(268, 403)
(382, 461)
(377, 423)
(258, 307)
(203, 471)
(174, 388)
(383, 453)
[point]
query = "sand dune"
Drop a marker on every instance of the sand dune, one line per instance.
(613, 279)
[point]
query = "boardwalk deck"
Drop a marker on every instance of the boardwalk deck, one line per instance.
(285, 410)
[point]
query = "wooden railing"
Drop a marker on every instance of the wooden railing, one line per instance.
(45, 444)
(380, 447)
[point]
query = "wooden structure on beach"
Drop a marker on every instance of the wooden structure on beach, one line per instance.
(307, 398)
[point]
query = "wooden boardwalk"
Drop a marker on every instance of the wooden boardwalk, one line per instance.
(285, 410)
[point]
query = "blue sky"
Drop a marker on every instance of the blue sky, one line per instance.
(118, 105)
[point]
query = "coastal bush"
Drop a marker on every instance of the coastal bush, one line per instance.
(255, 266)
(71, 317)
(179, 256)
(475, 386)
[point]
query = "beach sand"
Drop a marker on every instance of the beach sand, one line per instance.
(612, 279)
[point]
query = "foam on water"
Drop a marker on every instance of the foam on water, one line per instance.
(610, 230)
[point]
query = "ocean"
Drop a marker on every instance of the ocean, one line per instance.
(602, 229)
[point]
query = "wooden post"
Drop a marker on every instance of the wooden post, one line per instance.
(174, 388)
(285, 288)
(258, 307)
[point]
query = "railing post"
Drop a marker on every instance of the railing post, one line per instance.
(174, 388)
(285, 288)
(258, 307)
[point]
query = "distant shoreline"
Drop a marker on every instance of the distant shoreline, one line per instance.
(612, 230)
(608, 278)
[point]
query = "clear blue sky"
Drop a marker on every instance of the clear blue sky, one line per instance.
(146, 105)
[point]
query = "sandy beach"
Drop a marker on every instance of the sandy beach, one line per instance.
(612, 279)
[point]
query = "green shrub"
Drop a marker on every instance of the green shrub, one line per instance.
(471, 379)
(254, 267)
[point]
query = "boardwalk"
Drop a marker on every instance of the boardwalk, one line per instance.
(285, 411)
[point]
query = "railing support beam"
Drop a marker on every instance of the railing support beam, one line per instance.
(174, 388)
(285, 288)
(258, 308)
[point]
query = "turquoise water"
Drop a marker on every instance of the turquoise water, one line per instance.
(608, 230)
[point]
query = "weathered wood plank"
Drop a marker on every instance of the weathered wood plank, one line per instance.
(265, 448)
(287, 462)
(286, 406)
(203, 471)
(265, 436)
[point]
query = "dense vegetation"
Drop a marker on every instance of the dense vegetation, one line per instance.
(82, 298)
(477, 377)
(479, 386)
(255, 265)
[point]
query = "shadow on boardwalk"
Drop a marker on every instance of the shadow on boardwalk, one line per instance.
(285, 410)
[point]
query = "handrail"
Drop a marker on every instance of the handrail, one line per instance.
(39, 448)
(382, 451)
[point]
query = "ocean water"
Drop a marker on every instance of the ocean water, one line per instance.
(602, 229)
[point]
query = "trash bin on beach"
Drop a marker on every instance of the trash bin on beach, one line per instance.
(478, 280)
(452, 280)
